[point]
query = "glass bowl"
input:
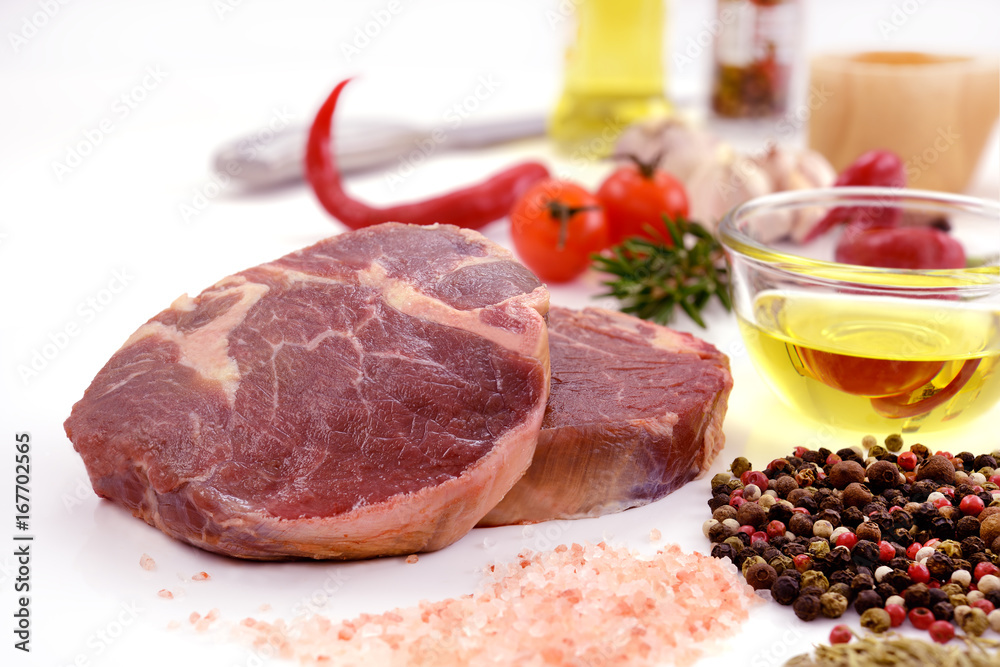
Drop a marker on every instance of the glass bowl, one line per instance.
(879, 350)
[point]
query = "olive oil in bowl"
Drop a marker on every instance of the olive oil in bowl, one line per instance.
(876, 364)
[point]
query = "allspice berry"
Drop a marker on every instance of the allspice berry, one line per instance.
(844, 473)
(937, 468)
(876, 620)
(856, 495)
(882, 475)
(751, 514)
(761, 576)
(869, 531)
(989, 530)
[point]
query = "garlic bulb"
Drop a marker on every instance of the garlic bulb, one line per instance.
(718, 178)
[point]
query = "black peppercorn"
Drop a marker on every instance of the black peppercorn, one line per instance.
(994, 597)
(898, 579)
(793, 549)
(742, 537)
(815, 591)
(779, 512)
(851, 517)
(899, 563)
(862, 582)
(849, 454)
(785, 590)
(831, 515)
(967, 459)
(841, 576)
(770, 553)
(833, 503)
(902, 537)
(920, 490)
(816, 457)
(718, 500)
(901, 519)
(838, 559)
(943, 611)
(936, 595)
(885, 590)
(720, 532)
(967, 526)
(865, 553)
(940, 566)
(807, 607)
(792, 573)
(917, 595)
(723, 551)
(779, 542)
(866, 600)
(983, 461)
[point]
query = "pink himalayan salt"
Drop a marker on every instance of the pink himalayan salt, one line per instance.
(147, 563)
(412, 558)
(164, 593)
(201, 576)
(584, 604)
(655, 535)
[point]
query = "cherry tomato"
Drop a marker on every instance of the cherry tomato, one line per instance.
(900, 248)
(867, 377)
(875, 168)
(637, 195)
(556, 226)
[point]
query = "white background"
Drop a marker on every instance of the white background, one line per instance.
(225, 69)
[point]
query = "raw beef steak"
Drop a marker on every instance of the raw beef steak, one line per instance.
(635, 412)
(374, 394)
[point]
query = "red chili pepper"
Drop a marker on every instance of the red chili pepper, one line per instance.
(470, 207)
(900, 248)
(875, 168)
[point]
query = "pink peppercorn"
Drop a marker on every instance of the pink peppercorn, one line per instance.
(921, 618)
(847, 540)
(841, 634)
(911, 551)
(897, 614)
(942, 631)
(983, 604)
(984, 568)
(971, 505)
(775, 529)
(886, 551)
(736, 501)
(919, 573)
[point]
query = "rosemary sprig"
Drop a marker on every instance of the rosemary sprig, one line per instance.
(653, 278)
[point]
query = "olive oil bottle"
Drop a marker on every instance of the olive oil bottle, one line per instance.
(614, 74)
(877, 365)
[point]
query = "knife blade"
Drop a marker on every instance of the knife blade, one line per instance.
(361, 145)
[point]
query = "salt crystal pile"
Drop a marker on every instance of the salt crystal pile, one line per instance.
(583, 604)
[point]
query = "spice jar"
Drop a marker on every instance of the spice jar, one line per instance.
(754, 51)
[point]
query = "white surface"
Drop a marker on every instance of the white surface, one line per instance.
(114, 230)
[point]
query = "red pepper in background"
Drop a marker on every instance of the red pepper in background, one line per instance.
(470, 207)
(900, 248)
(880, 168)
